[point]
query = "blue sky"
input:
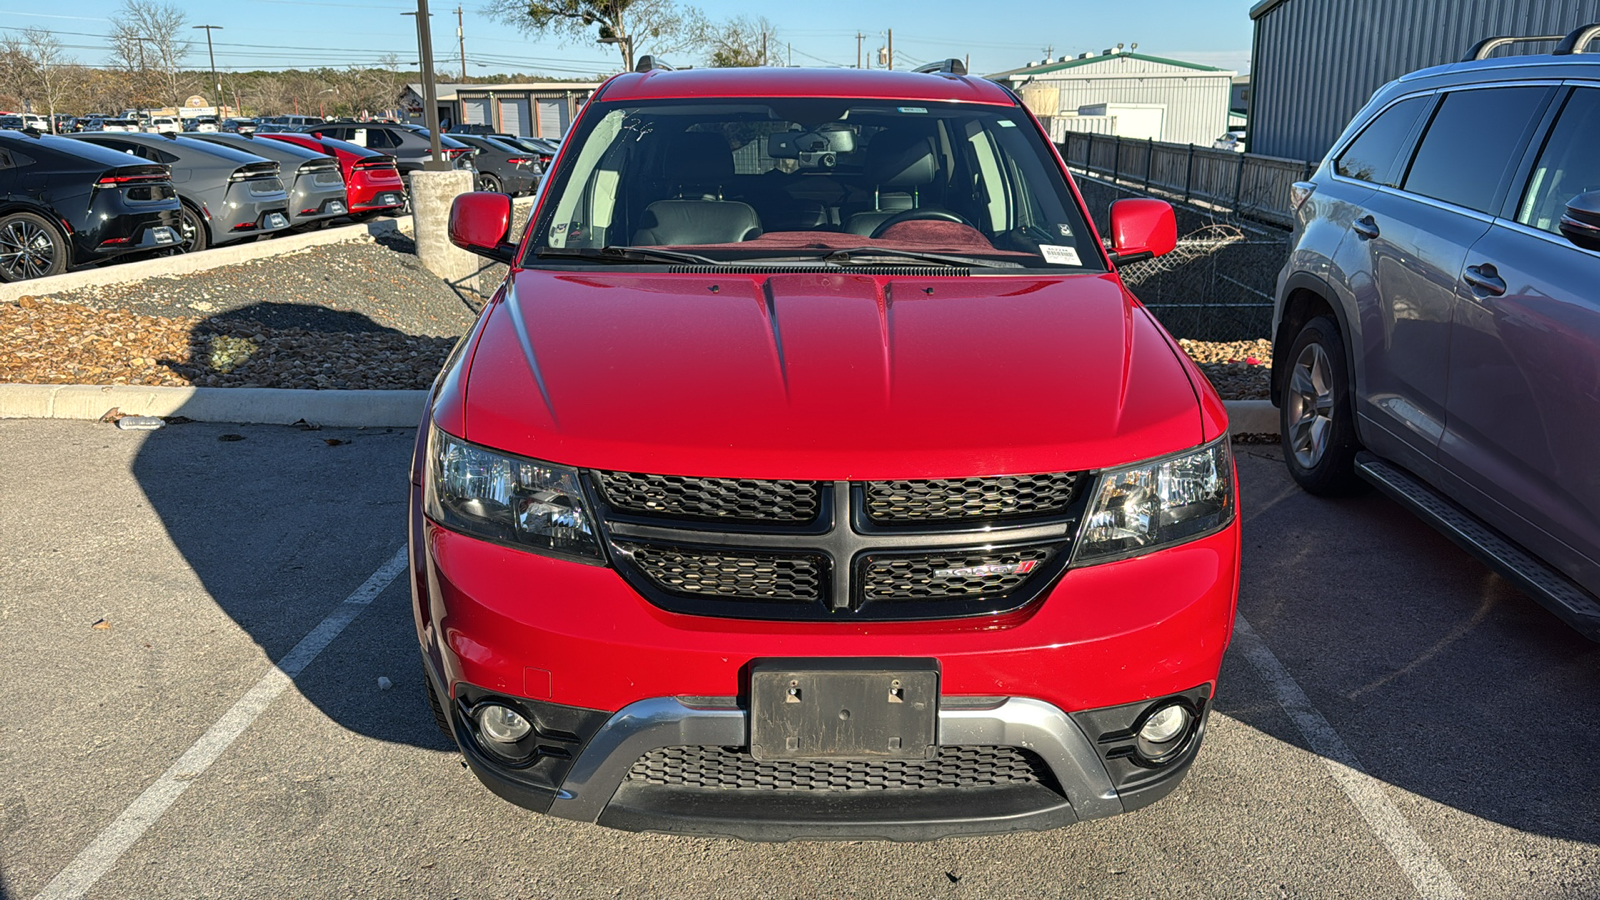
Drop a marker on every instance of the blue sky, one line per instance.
(271, 34)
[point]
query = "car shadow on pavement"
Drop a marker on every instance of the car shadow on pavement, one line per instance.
(1443, 679)
(281, 523)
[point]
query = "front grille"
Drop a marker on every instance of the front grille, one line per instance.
(708, 573)
(948, 576)
(958, 499)
(728, 499)
(734, 769)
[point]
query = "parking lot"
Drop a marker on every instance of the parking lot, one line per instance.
(1393, 721)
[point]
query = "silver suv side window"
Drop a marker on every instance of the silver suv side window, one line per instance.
(1568, 166)
(1471, 142)
(1371, 157)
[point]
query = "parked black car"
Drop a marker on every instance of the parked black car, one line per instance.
(408, 144)
(502, 167)
(227, 195)
(316, 189)
(543, 149)
(110, 205)
(463, 128)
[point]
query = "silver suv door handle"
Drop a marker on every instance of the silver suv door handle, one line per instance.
(1485, 278)
(1367, 227)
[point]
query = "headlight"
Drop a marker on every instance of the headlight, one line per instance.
(509, 499)
(1158, 503)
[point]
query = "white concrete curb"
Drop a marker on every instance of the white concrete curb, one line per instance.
(278, 406)
(273, 406)
(189, 263)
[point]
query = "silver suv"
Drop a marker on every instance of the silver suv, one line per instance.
(1437, 330)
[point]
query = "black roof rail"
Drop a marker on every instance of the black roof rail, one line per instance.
(1577, 40)
(944, 67)
(649, 63)
(1488, 45)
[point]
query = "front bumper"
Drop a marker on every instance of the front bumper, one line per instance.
(598, 776)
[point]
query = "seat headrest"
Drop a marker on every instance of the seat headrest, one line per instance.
(700, 158)
(901, 159)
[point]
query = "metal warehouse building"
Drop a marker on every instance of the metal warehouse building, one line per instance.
(1316, 62)
(1131, 94)
(539, 109)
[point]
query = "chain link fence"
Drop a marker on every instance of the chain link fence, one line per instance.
(1218, 285)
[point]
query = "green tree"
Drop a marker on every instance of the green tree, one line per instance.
(657, 26)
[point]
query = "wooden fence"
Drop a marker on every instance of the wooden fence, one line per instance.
(1252, 186)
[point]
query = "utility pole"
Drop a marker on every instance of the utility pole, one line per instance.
(461, 39)
(791, 55)
(216, 82)
(763, 47)
(891, 49)
(859, 36)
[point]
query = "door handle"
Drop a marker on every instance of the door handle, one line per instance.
(1367, 227)
(1485, 278)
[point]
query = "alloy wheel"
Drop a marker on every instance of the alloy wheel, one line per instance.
(26, 250)
(1310, 405)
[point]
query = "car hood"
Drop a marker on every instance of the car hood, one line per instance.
(826, 375)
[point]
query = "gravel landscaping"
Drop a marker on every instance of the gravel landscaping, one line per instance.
(360, 314)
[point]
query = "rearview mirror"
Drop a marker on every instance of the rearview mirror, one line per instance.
(1142, 228)
(481, 223)
(1581, 224)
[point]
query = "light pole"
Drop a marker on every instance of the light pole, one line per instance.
(215, 81)
(430, 94)
(627, 49)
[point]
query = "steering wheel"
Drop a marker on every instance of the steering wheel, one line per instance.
(913, 215)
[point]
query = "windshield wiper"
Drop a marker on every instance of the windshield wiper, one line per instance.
(625, 255)
(870, 255)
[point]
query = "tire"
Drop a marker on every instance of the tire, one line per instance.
(1316, 417)
(192, 229)
(439, 718)
(31, 247)
(487, 182)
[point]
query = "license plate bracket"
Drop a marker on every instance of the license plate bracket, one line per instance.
(848, 708)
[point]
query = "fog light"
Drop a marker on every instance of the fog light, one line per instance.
(502, 724)
(1163, 731)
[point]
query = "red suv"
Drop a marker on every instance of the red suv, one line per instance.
(813, 474)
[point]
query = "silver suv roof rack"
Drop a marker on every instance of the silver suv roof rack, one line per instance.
(944, 67)
(1577, 40)
(1566, 45)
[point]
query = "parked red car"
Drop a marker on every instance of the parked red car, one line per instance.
(813, 474)
(370, 178)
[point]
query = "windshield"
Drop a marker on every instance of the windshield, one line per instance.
(790, 180)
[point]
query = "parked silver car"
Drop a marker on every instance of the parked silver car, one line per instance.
(227, 195)
(316, 189)
(1437, 330)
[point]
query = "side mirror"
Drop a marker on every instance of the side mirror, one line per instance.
(481, 222)
(1142, 228)
(1581, 224)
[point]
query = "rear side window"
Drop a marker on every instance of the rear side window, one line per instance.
(381, 139)
(1372, 156)
(1568, 166)
(1473, 139)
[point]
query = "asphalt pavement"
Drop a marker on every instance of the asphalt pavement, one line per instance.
(1393, 720)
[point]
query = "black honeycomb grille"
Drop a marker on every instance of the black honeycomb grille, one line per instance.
(734, 769)
(950, 576)
(962, 499)
(747, 576)
(714, 499)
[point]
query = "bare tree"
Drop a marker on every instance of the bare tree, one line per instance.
(147, 37)
(741, 41)
(659, 26)
(48, 71)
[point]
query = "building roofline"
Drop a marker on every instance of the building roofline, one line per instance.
(1264, 7)
(1102, 57)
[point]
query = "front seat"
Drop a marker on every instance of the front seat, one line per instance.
(698, 214)
(902, 161)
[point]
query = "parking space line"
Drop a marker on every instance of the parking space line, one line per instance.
(103, 852)
(1414, 856)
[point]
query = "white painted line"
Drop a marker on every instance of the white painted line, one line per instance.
(1411, 852)
(97, 859)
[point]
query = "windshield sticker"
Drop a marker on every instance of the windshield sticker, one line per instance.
(1061, 256)
(1007, 123)
(912, 109)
